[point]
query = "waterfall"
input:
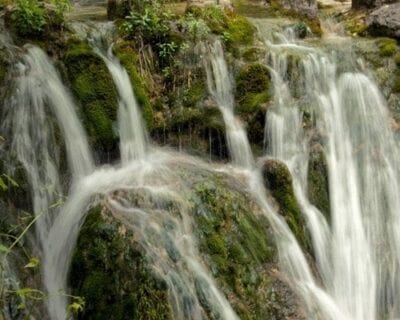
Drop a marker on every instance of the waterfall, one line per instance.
(133, 135)
(357, 251)
(291, 256)
(220, 88)
(188, 280)
(37, 88)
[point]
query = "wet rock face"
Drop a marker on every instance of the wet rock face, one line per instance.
(307, 8)
(385, 21)
(119, 279)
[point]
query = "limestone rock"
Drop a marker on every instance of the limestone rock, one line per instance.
(307, 8)
(385, 21)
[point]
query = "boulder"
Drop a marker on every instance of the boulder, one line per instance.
(385, 21)
(306, 8)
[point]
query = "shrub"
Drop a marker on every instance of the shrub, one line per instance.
(29, 17)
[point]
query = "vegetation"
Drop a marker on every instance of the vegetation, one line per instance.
(279, 181)
(33, 18)
(387, 46)
(94, 88)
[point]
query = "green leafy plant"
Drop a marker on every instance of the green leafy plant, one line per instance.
(29, 17)
(62, 7)
(152, 24)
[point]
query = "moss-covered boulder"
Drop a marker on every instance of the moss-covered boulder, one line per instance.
(95, 92)
(279, 181)
(112, 271)
(318, 183)
(253, 86)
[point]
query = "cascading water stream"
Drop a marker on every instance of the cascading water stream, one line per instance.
(357, 254)
(134, 141)
(189, 283)
(220, 88)
(133, 136)
(291, 256)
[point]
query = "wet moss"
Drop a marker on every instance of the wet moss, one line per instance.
(193, 94)
(387, 47)
(252, 87)
(239, 29)
(396, 82)
(128, 58)
(397, 59)
(95, 91)
(318, 184)
(236, 30)
(109, 271)
(253, 54)
(235, 240)
(278, 179)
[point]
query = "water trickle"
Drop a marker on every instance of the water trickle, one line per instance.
(220, 88)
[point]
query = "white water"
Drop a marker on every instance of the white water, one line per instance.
(220, 88)
(134, 141)
(170, 250)
(38, 90)
(133, 136)
(357, 253)
(291, 256)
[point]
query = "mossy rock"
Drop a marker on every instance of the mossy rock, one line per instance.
(279, 181)
(127, 56)
(109, 271)
(237, 241)
(387, 47)
(318, 183)
(396, 82)
(93, 87)
(253, 54)
(252, 87)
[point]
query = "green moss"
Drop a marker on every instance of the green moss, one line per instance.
(194, 94)
(318, 184)
(279, 181)
(3, 72)
(396, 82)
(128, 58)
(236, 241)
(240, 30)
(252, 87)
(252, 54)
(95, 91)
(387, 46)
(110, 273)
(235, 29)
(397, 59)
